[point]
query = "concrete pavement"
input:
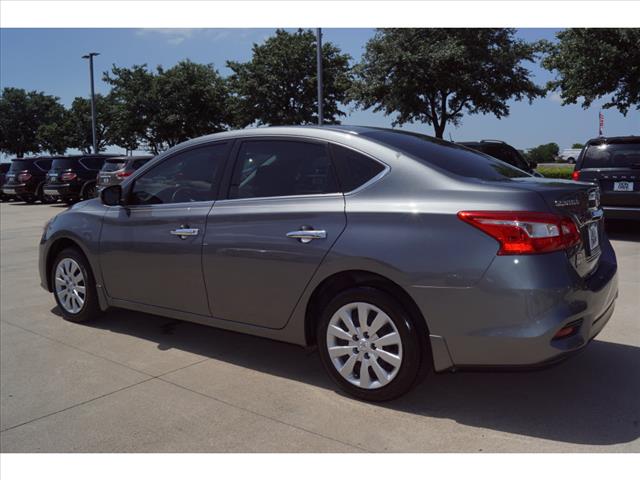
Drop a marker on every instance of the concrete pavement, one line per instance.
(133, 382)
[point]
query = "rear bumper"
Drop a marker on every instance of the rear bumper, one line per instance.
(18, 189)
(622, 213)
(62, 190)
(509, 319)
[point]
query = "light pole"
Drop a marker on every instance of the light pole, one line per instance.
(93, 100)
(319, 74)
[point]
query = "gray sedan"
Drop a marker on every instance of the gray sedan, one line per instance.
(395, 253)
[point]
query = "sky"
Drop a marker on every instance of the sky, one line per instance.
(49, 60)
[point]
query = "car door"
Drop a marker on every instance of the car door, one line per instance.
(151, 247)
(264, 242)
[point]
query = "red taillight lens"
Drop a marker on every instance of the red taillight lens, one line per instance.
(522, 233)
(575, 175)
(68, 176)
(123, 174)
(24, 176)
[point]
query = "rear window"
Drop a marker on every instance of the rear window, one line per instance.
(113, 164)
(446, 156)
(17, 165)
(64, 163)
(612, 155)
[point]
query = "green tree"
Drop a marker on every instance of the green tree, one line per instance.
(544, 153)
(278, 86)
(158, 110)
(435, 75)
(591, 63)
(24, 118)
(577, 145)
(79, 128)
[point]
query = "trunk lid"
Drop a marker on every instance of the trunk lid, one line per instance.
(581, 202)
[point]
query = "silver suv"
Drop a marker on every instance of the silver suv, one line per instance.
(395, 253)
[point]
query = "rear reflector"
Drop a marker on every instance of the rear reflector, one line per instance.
(575, 175)
(565, 332)
(522, 233)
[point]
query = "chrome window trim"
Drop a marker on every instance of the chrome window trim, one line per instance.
(256, 199)
(372, 180)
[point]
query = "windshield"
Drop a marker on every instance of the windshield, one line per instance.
(446, 156)
(63, 163)
(612, 155)
(17, 165)
(113, 164)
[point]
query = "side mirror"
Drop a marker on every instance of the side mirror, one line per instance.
(111, 196)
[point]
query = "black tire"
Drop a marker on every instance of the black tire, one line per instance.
(30, 200)
(89, 191)
(90, 309)
(414, 344)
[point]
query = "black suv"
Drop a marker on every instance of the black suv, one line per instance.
(116, 169)
(613, 163)
(25, 179)
(503, 151)
(73, 177)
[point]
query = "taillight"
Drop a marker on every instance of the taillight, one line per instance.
(68, 176)
(24, 176)
(575, 175)
(123, 174)
(522, 233)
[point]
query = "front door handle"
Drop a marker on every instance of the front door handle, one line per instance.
(305, 236)
(184, 232)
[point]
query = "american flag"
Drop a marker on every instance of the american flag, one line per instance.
(601, 123)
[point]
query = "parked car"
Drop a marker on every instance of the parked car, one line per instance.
(73, 177)
(116, 169)
(569, 155)
(25, 179)
(505, 152)
(4, 168)
(393, 252)
(613, 163)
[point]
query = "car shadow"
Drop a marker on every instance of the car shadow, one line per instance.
(625, 230)
(589, 399)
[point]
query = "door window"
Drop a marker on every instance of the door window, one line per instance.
(354, 168)
(276, 168)
(189, 176)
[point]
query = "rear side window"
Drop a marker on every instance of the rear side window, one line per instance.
(612, 155)
(354, 169)
(276, 168)
(446, 156)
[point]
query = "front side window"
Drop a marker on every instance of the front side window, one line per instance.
(276, 168)
(189, 176)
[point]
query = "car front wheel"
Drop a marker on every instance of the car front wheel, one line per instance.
(369, 345)
(74, 286)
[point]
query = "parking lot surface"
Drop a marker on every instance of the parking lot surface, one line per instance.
(131, 382)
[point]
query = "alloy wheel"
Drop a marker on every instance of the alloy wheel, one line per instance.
(70, 285)
(364, 345)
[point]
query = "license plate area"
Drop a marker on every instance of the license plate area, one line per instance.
(623, 186)
(50, 192)
(104, 180)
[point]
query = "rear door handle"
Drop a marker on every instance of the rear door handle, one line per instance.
(305, 236)
(184, 232)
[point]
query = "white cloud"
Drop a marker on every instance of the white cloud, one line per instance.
(176, 36)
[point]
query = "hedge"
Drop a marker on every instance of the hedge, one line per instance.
(561, 171)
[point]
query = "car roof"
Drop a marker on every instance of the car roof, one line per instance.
(89, 155)
(622, 139)
(131, 157)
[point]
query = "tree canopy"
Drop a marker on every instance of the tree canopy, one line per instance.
(591, 63)
(278, 85)
(157, 110)
(26, 120)
(436, 75)
(544, 153)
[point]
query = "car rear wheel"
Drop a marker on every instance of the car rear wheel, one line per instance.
(369, 345)
(74, 286)
(89, 191)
